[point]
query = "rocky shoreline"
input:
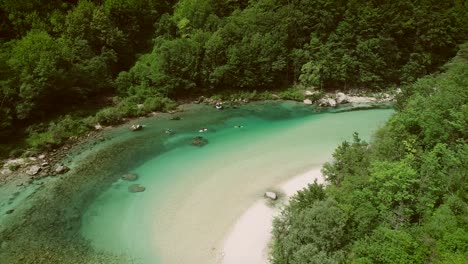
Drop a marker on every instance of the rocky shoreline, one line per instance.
(51, 163)
(355, 99)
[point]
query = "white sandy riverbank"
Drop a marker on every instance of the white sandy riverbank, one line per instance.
(249, 238)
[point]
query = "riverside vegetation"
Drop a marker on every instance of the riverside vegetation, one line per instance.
(401, 199)
(66, 66)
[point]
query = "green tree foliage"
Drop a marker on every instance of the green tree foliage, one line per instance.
(55, 56)
(401, 199)
(38, 73)
(320, 43)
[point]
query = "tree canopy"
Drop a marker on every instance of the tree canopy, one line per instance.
(401, 199)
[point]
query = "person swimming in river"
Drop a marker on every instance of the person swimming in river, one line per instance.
(203, 130)
(169, 131)
(238, 126)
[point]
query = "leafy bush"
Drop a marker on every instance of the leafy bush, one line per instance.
(109, 116)
(292, 93)
(56, 132)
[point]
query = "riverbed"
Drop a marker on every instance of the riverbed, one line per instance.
(195, 196)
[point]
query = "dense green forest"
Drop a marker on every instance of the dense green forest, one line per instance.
(401, 199)
(67, 65)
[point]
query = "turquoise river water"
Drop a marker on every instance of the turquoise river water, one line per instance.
(195, 194)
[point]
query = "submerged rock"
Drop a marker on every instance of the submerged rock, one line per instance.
(175, 118)
(199, 141)
(271, 195)
(130, 177)
(134, 188)
(33, 170)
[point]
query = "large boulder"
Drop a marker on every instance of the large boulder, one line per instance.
(322, 102)
(341, 98)
(327, 102)
(307, 101)
(130, 177)
(136, 127)
(33, 170)
(271, 195)
(60, 169)
(134, 188)
(309, 93)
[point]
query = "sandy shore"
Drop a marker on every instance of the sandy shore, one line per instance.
(249, 238)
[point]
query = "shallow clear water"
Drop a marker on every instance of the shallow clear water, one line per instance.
(195, 194)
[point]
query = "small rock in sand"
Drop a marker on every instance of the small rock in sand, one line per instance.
(130, 177)
(134, 188)
(271, 195)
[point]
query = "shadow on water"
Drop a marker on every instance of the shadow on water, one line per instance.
(46, 227)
